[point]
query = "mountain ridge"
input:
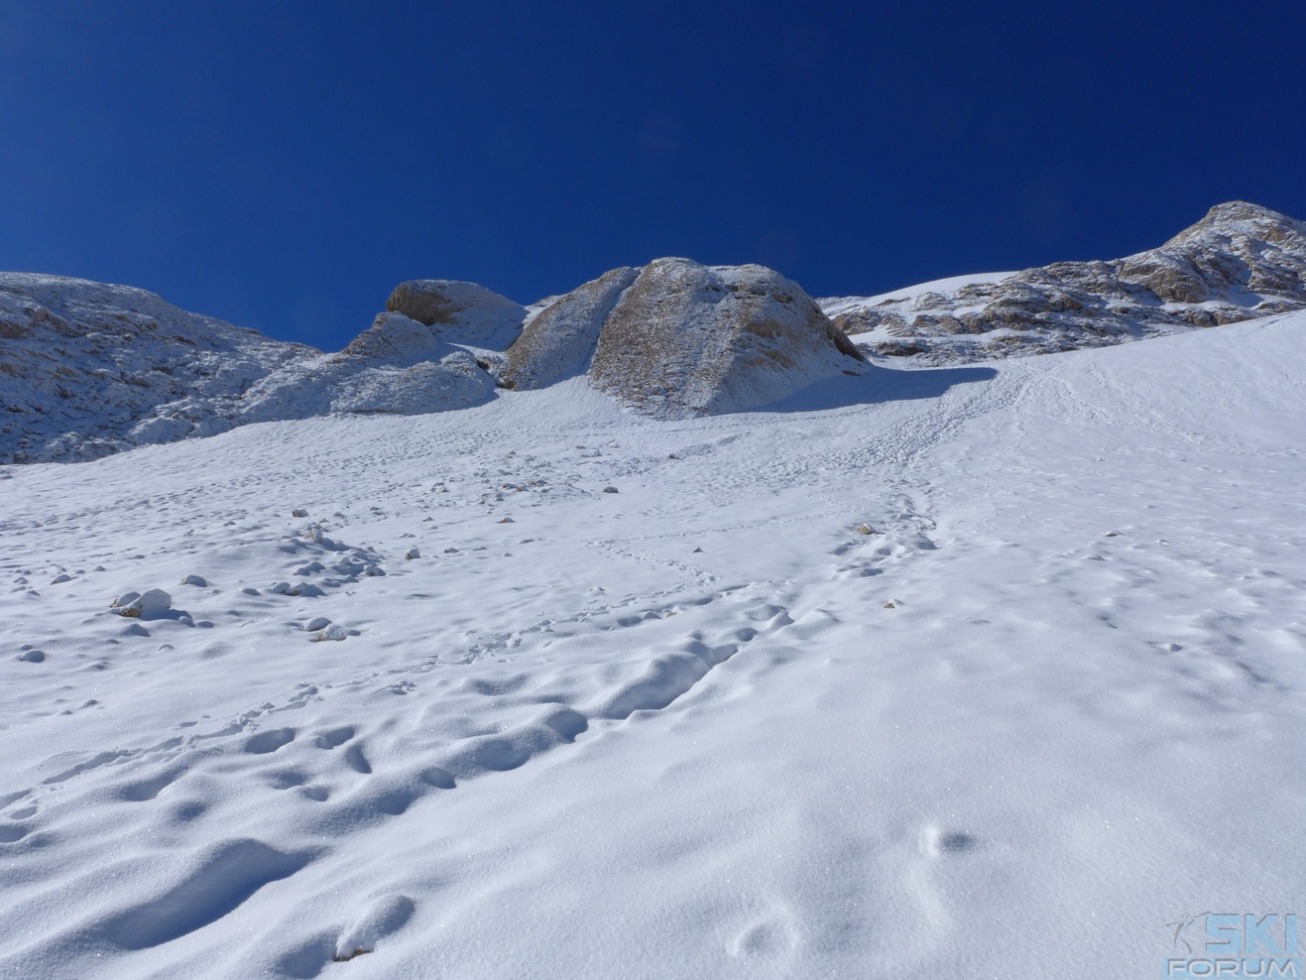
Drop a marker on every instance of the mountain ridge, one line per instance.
(1239, 262)
(88, 369)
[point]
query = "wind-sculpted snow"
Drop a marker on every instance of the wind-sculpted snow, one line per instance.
(551, 688)
(1239, 262)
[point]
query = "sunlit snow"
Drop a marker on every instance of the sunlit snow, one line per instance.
(990, 671)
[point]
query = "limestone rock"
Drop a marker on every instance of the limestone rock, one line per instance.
(689, 339)
(459, 312)
(395, 339)
(677, 338)
(149, 605)
(559, 341)
(1240, 261)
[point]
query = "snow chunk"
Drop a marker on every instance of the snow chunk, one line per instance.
(148, 605)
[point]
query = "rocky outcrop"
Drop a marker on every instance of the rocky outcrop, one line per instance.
(397, 340)
(677, 338)
(330, 384)
(559, 341)
(459, 312)
(691, 339)
(1240, 261)
(89, 369)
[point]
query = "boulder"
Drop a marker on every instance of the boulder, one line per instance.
(459, 312)
(687, 339)
(397, 340)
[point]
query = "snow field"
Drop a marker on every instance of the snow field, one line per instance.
(993, 673)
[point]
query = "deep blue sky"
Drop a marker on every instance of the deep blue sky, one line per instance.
(283, 165)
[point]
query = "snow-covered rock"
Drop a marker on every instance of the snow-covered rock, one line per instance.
(687, 339)
(342, 384)
(148, 605)
(1239, 262)
(559, 342)
(677, 338)
(397, 340)
(460, 312)
(88, 369)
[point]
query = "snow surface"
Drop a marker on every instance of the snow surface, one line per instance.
(982, 671)
(834, 305)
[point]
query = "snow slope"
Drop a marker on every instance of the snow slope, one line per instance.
(987, 671)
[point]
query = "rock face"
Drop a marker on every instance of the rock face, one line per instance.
(396, 340)
(1240, 261)
(88, 369)
(559, 341)
(459, 312)
(677, 338)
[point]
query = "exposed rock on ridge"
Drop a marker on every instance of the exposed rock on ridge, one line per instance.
(559, 341)
(678, 338)
(1240, 261)
(462, 312)
(688, 339)
(89, 369)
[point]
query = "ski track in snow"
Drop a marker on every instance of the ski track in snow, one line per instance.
(827, 692)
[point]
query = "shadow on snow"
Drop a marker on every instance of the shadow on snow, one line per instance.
(878, 384)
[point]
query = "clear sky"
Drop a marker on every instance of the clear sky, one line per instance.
(283, 164)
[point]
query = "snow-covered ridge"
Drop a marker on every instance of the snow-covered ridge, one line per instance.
(88, 369)
(1239, 262)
